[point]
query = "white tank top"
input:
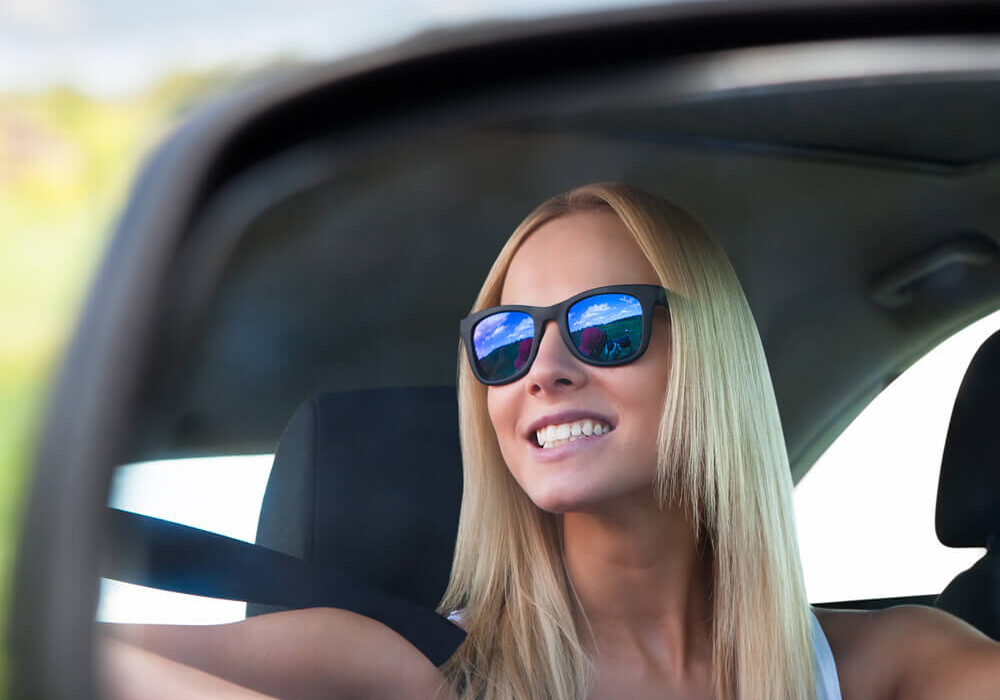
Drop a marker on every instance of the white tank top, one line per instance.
(824, 667)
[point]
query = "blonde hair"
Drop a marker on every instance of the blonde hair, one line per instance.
(721, 456)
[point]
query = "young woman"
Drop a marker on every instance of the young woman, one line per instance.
(626, 529)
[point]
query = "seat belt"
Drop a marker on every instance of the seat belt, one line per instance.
(157, 553)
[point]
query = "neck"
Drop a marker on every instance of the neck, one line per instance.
(643, 584)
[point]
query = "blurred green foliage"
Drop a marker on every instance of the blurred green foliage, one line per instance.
(66, 161)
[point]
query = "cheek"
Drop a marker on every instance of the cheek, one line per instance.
(643, 407)
(492, 405)
(500, 406)
(644, 392)
(659, 365)
(503, 403)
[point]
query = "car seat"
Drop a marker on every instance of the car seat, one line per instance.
(369, 483)
(968, 500)
(360, 513)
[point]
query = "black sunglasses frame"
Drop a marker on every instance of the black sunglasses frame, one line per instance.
(649, 296)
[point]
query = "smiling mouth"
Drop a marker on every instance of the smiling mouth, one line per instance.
(561, 433)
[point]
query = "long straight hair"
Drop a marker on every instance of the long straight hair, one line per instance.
(722, 457)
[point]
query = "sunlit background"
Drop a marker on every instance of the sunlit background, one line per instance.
(87, 88)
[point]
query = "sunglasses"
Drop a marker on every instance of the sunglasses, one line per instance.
(606, 326)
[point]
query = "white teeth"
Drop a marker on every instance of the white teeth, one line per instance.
(554, 435)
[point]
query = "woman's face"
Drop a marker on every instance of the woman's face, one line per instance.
(564, 257)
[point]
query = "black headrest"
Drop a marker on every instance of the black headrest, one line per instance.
(370, 483)
(968, 501)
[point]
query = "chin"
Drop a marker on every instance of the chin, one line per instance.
(555, 501)
(560, 500)
(555, 507)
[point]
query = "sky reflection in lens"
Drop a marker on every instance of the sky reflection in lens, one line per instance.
(498, 330)
(602, 309)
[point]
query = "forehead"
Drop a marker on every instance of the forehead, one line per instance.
(571, 254)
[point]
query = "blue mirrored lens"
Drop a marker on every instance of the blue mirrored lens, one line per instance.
(502, 344)
(606, 327)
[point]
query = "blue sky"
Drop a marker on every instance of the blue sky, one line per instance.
(501, 329)
(509, 327)
(607, 308)
(110, 47)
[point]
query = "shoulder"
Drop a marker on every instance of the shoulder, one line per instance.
(910, 652)
(339, 651)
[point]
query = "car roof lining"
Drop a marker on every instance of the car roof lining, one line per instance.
(258, 334)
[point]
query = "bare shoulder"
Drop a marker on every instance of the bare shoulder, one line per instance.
(910, 652)
(316, 652)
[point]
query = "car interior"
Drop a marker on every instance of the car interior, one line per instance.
(294, 261)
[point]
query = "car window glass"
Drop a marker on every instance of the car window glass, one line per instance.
(865, 511)
(218, 494)
(127, 602)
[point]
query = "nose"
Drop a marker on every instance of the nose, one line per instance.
(555, 368)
